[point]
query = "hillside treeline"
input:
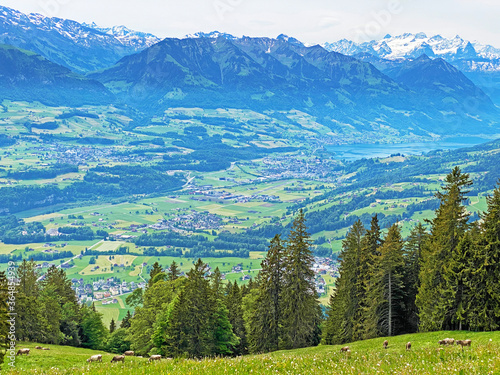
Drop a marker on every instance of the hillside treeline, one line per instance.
(200, 316)
(443, 279)
(194, 316)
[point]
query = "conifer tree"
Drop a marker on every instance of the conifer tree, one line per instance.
(29, 320)
(267, 319)
(386, 313)
(435, 301)
(198, 325)
(234, 303)
(344, 304)
(125, 323)
(112, 325)
(413, 250)
(477, 266)
(301, 311)
(486, 273)
(368, 264)
(154, 271)
(173, 272)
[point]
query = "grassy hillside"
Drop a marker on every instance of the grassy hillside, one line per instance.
(366, 357)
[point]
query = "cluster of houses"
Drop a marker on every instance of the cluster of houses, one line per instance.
(103, 289)
(207, 193)
(193, 220)
(324, 266)
(287, 167)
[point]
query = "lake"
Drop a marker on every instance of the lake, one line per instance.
(359, 151)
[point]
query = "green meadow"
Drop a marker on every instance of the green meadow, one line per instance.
(365, 357)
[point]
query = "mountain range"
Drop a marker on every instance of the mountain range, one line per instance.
(410, 46)
(411, 90)
(79, 47)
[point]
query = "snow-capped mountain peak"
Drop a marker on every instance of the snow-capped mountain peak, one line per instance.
(408, 45)
(467, 55)
(211, 35)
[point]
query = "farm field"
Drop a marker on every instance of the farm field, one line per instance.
(366, 357)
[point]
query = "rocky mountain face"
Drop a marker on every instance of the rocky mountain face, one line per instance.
(404, 83)
(79, 47)
(479, 62)
(282, 73)
(27, 76)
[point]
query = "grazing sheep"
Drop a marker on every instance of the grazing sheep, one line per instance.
(345, 349)
(386, 344)
(464, 342)
(408, 345)
(38, 347)
(118, 358)
(95, 358)
(446, 341)
(155, 357)
(23, 351)
(129, 353)
(45, 348)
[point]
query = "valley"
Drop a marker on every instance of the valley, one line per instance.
(255, 194)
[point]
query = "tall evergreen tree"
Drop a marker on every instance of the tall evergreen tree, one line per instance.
(125, 323)
(234, 303)
(29, 320)
(199, 324)
(368, 264)
(413, 250)
(57, 289)
(477, 266)
(436, 302)
(301, 311)
(142, 324)
(154, 271)
(173, 272)
(339, 327)
(387, 292)
(267, 319)
(112, 325)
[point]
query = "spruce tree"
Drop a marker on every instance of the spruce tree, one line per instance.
(154, 271)
(386, 312)
(368, 263)
(435, 301)
(30, 323)
(112, 325)
(234, 303)
(267, 319)
(125, 323)
(344, 304)
(480, 275)
(173, 272)
(301, 311)
(413, 250)
(489, 315)
(199, 324)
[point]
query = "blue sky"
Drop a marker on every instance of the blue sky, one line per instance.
(312, 21)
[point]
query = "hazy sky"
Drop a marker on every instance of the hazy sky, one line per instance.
(311, 21)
